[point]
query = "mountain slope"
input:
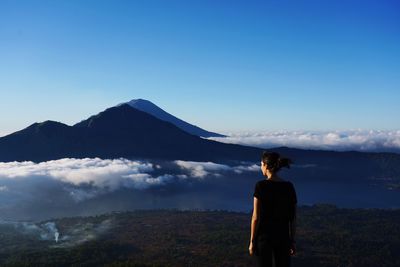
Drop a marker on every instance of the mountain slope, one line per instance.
(149, 107)
(120, 131)
(123, 131)
(40, 141)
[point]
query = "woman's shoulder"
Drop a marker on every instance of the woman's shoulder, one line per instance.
(281, 181)
(259, 183)
(288, 183)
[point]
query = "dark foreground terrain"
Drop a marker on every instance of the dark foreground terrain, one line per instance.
(327, 236)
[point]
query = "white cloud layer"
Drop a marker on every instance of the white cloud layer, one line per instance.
(202, 169)
(360, 140)
(100, 173)
(86, 178)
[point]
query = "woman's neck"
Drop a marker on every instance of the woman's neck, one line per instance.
(272, 176)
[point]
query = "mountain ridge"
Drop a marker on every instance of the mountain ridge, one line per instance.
(123, 131)
(149, 107)
(120, 131)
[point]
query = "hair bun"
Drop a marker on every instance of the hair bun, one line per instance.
(274, 161)
(284, 162)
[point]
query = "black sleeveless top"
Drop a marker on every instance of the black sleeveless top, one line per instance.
(278, 202)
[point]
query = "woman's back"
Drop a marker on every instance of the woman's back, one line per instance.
(273, 223)
(277, 208)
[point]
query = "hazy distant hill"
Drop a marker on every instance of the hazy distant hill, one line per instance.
(149, 107)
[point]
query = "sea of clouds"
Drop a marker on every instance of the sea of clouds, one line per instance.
(87, 178)
(358, 140)
(74, 187)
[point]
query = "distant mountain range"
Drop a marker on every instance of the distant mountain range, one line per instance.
(125, 131)
(149, 107)
(120, 131)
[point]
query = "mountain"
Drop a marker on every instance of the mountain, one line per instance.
(149, 107)
(124, 131)
(120, 131)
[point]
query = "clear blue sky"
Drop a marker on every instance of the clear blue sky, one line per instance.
(223, 65)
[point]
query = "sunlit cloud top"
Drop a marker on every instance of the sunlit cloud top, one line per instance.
(88, 177)
(359, 140)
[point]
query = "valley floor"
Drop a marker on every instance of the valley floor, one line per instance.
(327, 236)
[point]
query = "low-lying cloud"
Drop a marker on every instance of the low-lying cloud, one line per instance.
(101, 173)
(112, 174)
(359, 140)
(202, 169)
(54, 186)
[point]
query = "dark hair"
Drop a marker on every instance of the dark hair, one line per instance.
(274, 161)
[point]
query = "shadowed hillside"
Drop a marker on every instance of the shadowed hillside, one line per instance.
(120, 131)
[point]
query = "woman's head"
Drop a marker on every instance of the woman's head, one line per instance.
(273, 162)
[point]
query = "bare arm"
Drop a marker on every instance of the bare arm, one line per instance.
(292, 227)
(292, 234)
(254, 221)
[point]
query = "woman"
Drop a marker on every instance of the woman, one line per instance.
(273, 224)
